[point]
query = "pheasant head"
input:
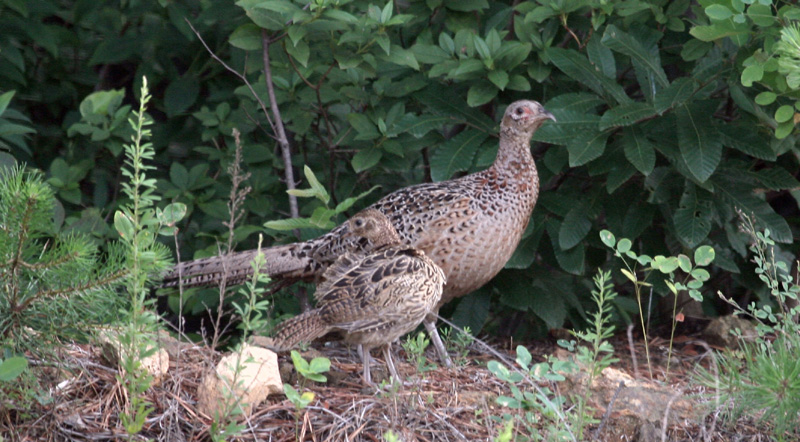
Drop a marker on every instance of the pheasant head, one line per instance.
(372, 225)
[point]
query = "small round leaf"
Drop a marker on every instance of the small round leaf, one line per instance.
(704, 255)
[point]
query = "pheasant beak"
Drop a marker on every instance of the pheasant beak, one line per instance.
(546, 114)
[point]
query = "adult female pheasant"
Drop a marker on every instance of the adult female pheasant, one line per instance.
(373, 298)
(469, 226)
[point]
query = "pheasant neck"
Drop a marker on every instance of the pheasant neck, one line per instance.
(514, 154)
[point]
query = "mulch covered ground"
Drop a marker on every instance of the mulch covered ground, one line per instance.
(455, 404)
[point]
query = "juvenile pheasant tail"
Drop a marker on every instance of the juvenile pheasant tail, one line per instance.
(304, 327)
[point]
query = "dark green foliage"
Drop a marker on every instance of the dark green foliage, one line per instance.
(671, 114)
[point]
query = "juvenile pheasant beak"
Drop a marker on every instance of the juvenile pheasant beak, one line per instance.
(547, 114)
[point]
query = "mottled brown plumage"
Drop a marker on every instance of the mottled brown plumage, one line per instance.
(373, 298)
(468, 226)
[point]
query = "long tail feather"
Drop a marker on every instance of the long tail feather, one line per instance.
(281, 261)
(304, 327)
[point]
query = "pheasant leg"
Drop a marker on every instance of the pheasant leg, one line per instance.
(365, 360)
(430, 325)
(387, 354)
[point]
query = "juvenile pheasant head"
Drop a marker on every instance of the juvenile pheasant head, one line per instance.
(523, 117)
(373, 225)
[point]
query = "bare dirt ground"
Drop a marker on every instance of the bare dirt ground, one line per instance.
(457, 404)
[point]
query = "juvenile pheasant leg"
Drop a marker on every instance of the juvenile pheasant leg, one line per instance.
(387, 354)
(430, 326)
(365, 361)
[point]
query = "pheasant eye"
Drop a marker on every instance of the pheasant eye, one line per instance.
(519, 111)
(359, 223)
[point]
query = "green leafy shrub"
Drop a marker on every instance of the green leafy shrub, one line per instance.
(760, 380)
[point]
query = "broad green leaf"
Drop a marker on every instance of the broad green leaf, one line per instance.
(445, 102)
(761, 14)
(552, 310)
(569, 126)
(608, 238)
(673, 95)
(574, 228)
(5, 99)
(580, 102)
(743, 138)
(430, 54)
(403, 57)
(624, 245)
(498, 78)
(173, 213)
(695, 49)
(775, 178)
(365, 128)
(470, 68)
(181, 94)
(481, 93)
(466, 5)
(784, 113)
(348, 203)
(419, 126)
(581, 70)
(719, 30)
(518, 83)
(586, 147)
(124, 226)
(455, 154)
(602, 57)
(684, 263)
(262, 15)
(624, 43)
(765, 98)
(511, 54)
(639, 150)
(742, 197)
(473, 310)
(12, 367)
(300, 52)
(751, 74)
(692, 219)
(292, 223)
(718, 12)
(571, 260)
(246, 37)
(626, 115)
(701, 148)
(319, 190)
(366, 158)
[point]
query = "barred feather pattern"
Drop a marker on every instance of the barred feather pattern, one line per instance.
(468, 226)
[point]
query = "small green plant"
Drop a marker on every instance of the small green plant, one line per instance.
(762, 380)
(138, 223)
(390, 436)
(694, 277)
(308, 371)
(458, 343)
(322, 216)
(540, 405)
(599, 353)
(415, 347)
(12, 367)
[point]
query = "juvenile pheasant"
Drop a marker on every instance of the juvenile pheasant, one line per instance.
(469, 226)
(373, 298)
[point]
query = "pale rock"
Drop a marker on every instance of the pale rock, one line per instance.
(225, 387)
